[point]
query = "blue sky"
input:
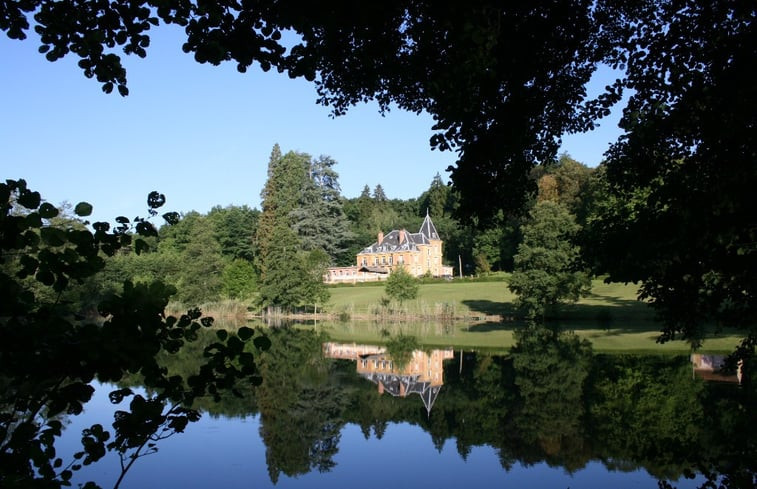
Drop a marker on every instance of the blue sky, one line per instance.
(200, 134)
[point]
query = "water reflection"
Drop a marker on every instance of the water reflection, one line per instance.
(550, 403)
(714, 368)
(422, 373)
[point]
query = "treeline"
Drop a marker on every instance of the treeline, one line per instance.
(551, 400)
(276, 256)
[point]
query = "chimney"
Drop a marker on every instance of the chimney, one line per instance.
(380, 237)
(402, 236)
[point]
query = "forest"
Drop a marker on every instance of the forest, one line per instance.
(247, 255)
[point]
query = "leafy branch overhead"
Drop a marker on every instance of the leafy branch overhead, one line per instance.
(504, 81)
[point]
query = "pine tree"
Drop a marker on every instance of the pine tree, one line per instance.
(319, 220)
(378, 194)
(284, 275)
(287, 177)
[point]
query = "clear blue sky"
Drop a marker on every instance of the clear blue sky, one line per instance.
(199, 134)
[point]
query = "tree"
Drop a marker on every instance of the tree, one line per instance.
(548, 266)
(285, 273)
(523, 67)
(378, 194)
(314, 291)
(436, 200)
(679, 213)
(234, 228)
(401, 286)
(238, 279)
(319, 219)
(287, 178)
(49, 356)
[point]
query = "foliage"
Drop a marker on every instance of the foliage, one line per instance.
(547, 267)
(551, 370)
(49, 356)
(234, 228)
(319, 219)
(482, 265)
(301, 223)
(300, 405)
(239, 279)
(202, 281)
(401, 347)
(504, 81)
(401, 286)
(314, 289)
(679, 213)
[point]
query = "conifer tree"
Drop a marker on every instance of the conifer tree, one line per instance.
(287, 176)
(280, 263)
(319, 220)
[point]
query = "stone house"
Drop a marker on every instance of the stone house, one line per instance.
(419, 253)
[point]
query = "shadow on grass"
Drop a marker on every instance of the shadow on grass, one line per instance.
(491, 308)
(615, 315)
(494, 326)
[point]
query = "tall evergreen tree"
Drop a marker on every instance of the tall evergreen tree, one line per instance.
(378, 194)
(287, 177)
(285, 274)
(319, 220)
(435, 199)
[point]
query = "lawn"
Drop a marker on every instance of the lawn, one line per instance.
(611, 318)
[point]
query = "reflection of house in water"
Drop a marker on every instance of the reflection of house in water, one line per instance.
(710, 367)
(422, 375)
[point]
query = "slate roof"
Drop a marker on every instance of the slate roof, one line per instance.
(391, 241)
(392, 382)
(428, 229)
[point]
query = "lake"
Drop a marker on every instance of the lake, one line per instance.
(552, 413)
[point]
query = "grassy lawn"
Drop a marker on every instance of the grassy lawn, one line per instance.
(611, 318)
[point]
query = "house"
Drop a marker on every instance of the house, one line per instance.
(419, 253)
(423, 374)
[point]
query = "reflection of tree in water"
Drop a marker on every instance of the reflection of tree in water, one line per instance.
(549, 401)
(648, 409)
(550, 371)
(300, 405)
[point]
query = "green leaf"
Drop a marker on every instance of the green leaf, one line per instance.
(29, 199)
(141, 245)
(45, 276)
(83, 209)
(34, 220)
(146, 229)
(222, 334)
(262, 343)
(47, 211)
(53, 236)
(155, 199)
(245, 333)
(171, 217)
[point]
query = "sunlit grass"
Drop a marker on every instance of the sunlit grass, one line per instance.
(611, 318)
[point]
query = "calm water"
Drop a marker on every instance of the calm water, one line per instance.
(547, 415)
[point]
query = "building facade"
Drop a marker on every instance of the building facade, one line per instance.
(418, 253)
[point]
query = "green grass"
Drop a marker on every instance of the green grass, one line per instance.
(611, 318)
